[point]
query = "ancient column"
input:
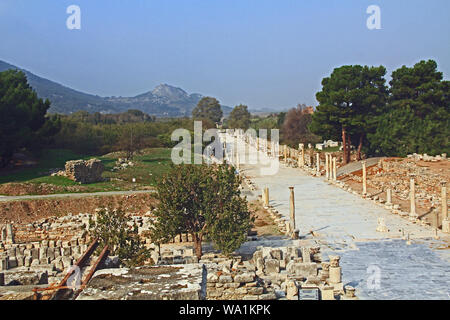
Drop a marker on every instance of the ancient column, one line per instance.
(292, 207)
(388, 197)
(412, 194)
(335, 270)
(318, 163)
(266, 197)
(237, 160)
(334, 169)
(3, 234)
(9, 234)
(285, 153)
(303, 155)
(445, 219)
(364, 177)
(327, 171)
(330, 167)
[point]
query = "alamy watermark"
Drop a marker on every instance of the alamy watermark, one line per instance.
(73, 22)
(374, 20)
(374, 278)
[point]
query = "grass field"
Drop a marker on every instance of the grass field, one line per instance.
(149, 165)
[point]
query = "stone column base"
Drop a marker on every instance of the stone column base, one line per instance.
(446, 225)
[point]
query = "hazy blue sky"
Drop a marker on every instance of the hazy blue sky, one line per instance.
(264, 53)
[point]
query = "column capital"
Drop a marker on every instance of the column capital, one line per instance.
(443, 183)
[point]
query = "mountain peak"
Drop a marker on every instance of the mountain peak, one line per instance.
(168, 91)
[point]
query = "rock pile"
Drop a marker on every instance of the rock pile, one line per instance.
(121, 164)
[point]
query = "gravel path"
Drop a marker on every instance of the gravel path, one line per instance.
(72, 195)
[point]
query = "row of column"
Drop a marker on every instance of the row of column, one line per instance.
(412, 197)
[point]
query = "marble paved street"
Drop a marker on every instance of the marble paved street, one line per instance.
(345, 224)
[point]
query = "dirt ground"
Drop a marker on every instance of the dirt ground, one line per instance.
(395, 174)
(26, 211)
(264, 225)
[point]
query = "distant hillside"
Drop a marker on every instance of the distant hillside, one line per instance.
(163, 101)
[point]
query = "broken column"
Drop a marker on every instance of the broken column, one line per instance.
(389, 197)
(364, 177)
(3, 234)
(292, 207)
(445, 219)
(334, 169)
(318, 163)
(335, 272)
(303, 155)
(266, 197)
(327, 171)
(285, 152)
(330, 166)
(9, 234)
(381, 226)
(412, 194)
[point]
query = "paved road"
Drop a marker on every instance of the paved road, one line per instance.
(345, 224)
(72, 195)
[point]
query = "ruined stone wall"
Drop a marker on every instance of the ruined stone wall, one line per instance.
(82, 171)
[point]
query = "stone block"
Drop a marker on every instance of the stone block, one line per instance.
(268, 296)
(272, 266)
(302, 269)
(232, 285)
(291, 290)
(27, 261)
(306, 254)
(245, 277)
(260, 263)
(224, 278)
(66, 251)
(4, 263)
(335, 275)
(20, 261)
(276, 254)
(35, 253)
(327, 293)
(67, 262)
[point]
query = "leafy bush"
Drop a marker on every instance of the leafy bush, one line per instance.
(112, 228)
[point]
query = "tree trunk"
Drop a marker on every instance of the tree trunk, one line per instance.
(344, 145)
(358, 152)
(197, 245)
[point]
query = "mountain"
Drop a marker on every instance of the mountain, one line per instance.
(163, 101)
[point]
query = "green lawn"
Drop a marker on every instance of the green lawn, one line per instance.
(148, 167)
(50, 159)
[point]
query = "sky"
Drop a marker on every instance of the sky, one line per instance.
(262, 53)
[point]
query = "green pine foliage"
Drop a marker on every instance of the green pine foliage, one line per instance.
(23, 120)
(412, 115)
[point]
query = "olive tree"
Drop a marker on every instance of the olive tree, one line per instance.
(203, 201)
